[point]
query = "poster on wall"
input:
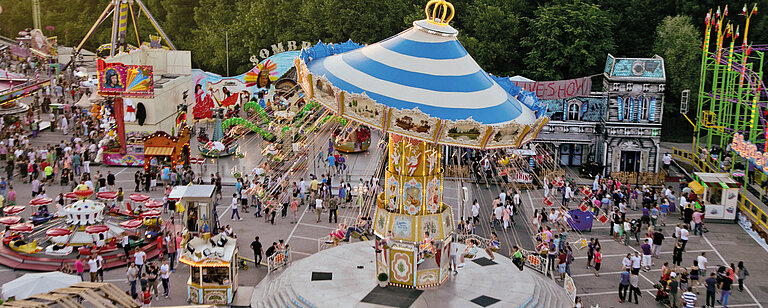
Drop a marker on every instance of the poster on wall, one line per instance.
(117, 79)
(258, 84)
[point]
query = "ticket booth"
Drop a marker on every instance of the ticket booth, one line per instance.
(212, 269)
(197, 203)
(718, 193)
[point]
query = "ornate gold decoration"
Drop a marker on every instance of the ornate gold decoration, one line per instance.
(439, 12)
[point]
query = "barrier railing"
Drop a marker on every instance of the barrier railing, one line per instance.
(694, 159)
(279, 259)
(754, 213)
(638, 178)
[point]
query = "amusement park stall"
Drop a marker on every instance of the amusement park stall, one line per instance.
(212, 269)
(719, 194)
(197, 202)
(145, 93)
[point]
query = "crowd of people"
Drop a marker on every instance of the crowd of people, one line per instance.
(680, 282)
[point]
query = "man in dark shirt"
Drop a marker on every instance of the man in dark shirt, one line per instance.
(102, 181)
(658, 238)
(110, 181)
(256, 246)
(271, 250)
(623, 284)
(137, 179)
(711, 284)
(725, 290)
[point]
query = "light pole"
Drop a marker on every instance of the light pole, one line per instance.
(226, 43)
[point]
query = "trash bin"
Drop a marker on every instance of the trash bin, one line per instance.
(580, 220)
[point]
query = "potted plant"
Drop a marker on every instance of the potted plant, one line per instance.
(383, 279)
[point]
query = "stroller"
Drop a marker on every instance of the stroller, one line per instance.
(65, 173)
(662, 297)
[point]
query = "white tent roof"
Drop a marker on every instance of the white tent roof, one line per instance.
(36, 283)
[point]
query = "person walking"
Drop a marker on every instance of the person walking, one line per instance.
(170, 249)
(234, 205)
(257, 251)
(132, 274)
(677, 254)
(79, 268)
(673, 288)
(152, 275)
(634, 289)
(165, 275)
(711, 285)
(689, 298)
(318, 207)
(623, 284)
(93, 269)
(138, 259)
(741, 274)
(333, 206)
(598, 261)
(295, 210)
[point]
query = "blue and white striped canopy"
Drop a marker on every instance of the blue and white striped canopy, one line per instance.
(426, 70)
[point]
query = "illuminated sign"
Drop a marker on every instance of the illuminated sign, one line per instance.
(749, 151)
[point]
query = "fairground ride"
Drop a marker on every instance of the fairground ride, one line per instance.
(732, 95)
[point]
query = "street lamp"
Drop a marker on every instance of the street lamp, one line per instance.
(226, 43)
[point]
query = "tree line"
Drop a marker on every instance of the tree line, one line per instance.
(541, 40)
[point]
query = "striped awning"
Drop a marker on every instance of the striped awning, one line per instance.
(158, 151)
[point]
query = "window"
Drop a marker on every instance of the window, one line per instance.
(574, 110)
(644, 101)
(627, 109)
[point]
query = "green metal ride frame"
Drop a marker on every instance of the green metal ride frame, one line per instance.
(729, 99)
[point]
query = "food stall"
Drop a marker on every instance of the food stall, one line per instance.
(719, 194)
(212, 269)
(197, 204)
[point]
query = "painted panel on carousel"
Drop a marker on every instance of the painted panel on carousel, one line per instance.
(535, 129)
(427, 277)
(413, 123)
(433, 195)
(432, 160)
(447, 218)
(380, 223)
(505, 135)
(446, 253)
(361, 108)
(403, 227)
(395, 158)
(462, 132)
(412, 197)
(393, 192)
(324, 92)
(212, 90)
(402, 269)
(431, 224)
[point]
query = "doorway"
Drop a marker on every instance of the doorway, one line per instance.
(571, 154)
(630, 161)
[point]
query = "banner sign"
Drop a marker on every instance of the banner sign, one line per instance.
(749, 151)
(559, 89)
(523, 177)
(117, 79)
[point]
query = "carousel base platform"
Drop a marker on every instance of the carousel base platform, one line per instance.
(45, 263)
(344, 276)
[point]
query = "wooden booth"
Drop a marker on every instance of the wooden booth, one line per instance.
(212, 269)
(167, 149)
(718, 193)
(197, 202)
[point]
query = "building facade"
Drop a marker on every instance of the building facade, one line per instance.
(619, 127)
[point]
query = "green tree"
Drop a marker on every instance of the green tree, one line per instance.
(178, 24)
(490, 33)
(679, 43)
(568, 39)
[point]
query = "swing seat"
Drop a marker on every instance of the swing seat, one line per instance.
(468, 256)
(494, 248)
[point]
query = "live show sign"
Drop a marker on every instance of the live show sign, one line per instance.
(558, 89)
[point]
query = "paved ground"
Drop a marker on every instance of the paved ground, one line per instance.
(724, 243)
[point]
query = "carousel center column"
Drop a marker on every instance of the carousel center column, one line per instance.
(412, 224)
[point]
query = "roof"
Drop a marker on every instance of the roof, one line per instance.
(635, 69)
(158, 151)
(192, 191)
(220, 248)
(714, 177)
(433, 73)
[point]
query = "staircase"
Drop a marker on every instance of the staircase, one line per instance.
(544, 295)
(278, 294)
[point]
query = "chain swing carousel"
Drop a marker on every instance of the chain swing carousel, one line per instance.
(426, 92)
